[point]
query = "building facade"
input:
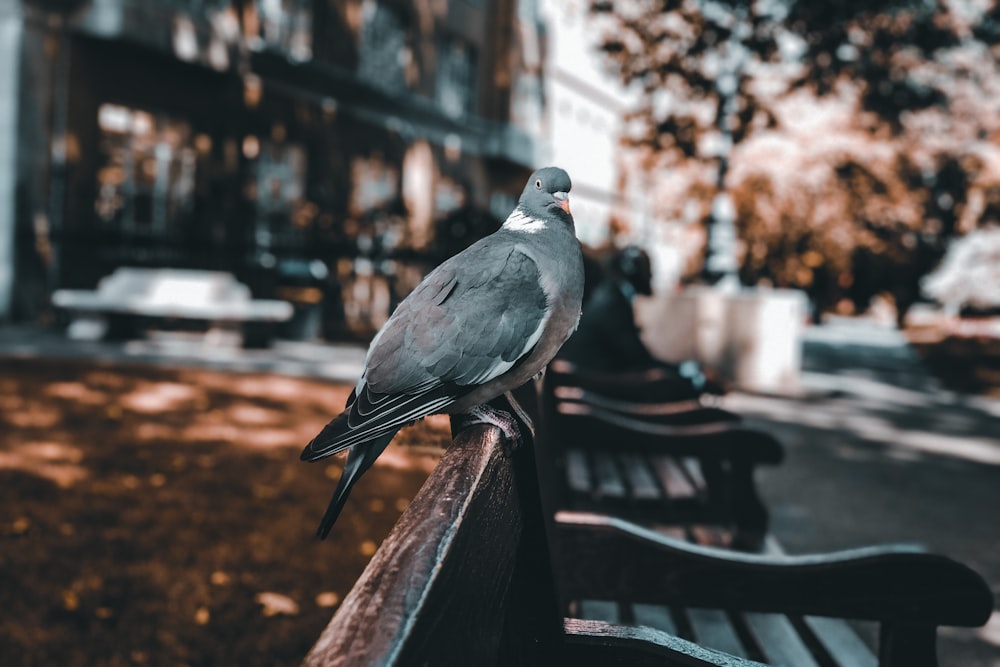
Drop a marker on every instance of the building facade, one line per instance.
(324, 151)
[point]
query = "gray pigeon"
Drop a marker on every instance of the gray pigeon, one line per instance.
(482, 323)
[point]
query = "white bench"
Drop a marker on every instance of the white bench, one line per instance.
(130, 294)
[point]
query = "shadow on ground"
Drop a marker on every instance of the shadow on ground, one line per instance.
(161, 516)
(879, 452)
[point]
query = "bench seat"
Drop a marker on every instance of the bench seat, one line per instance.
(132, 297)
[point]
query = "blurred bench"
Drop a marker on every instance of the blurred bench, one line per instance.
(688, 474)
(482, 570)
(662, 463)
(130, 297)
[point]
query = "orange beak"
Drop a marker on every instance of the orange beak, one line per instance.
(563, 199)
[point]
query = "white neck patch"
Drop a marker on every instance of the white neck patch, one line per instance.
(519, 221)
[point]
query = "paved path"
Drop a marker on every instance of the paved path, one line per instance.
(878, 452)
(330, 361)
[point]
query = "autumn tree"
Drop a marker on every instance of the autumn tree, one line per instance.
(718, 76)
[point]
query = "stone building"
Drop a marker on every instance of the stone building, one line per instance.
(325, 151)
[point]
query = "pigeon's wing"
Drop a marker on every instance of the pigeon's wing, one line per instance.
(471, 320)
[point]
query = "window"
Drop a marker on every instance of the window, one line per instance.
(146, 177)
(384, 54)
(285, 25)
(277, 184)
(455, 88)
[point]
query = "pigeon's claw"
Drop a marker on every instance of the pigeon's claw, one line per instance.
(487, 414)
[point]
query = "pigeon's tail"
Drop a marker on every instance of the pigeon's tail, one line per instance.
(359, 459)
(370, 416)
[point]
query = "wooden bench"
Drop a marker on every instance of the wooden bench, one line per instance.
(130, 296)
(467, 577)
(660, 463)
(782, 614)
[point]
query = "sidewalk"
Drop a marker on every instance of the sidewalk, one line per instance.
(877, 452)
(341, 362)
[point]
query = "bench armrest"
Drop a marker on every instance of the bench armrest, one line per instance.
(683, 411)
(713, 439)
(619, 560)
(652, 384)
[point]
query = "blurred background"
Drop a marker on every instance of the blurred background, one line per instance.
(328, 153)
(817, 185)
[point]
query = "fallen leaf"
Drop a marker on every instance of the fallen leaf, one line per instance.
(276, 603)
(327, 599)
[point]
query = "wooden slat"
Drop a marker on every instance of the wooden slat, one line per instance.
(597, 644)
(675, 483)
(692, 467)
(654, 616)
(713, 629)
(607, 479)
(841, 641)
(778, 641)
(640, 479)
(577, 471)
(600, 610)
(676, 532)
(710, 536)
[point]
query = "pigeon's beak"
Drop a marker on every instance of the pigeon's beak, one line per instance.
(563, 199)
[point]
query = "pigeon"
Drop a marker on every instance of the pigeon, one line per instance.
(482, 323)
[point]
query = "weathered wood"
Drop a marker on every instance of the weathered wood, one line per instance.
(604, 644)
(899, 585)
(414, 598)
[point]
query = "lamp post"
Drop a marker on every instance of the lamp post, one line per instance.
(720, 267)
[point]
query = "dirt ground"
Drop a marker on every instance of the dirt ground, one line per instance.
(154, 516)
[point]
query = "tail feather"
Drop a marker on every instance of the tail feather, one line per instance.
(318, 447)
(364, 420)
(359, 460)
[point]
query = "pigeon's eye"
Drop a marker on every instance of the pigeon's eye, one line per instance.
(538, 184)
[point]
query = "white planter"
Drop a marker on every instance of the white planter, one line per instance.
(753, 337)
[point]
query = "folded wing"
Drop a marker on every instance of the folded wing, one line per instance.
(471, 320)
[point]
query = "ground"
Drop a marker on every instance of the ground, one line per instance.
(156, 516)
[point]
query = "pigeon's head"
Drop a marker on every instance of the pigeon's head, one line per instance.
(547, 192)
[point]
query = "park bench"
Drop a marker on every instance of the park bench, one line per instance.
(617, 438)
(481, 569)
(131, 297)
(680, 464)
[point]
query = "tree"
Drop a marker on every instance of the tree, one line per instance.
(715, 74)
